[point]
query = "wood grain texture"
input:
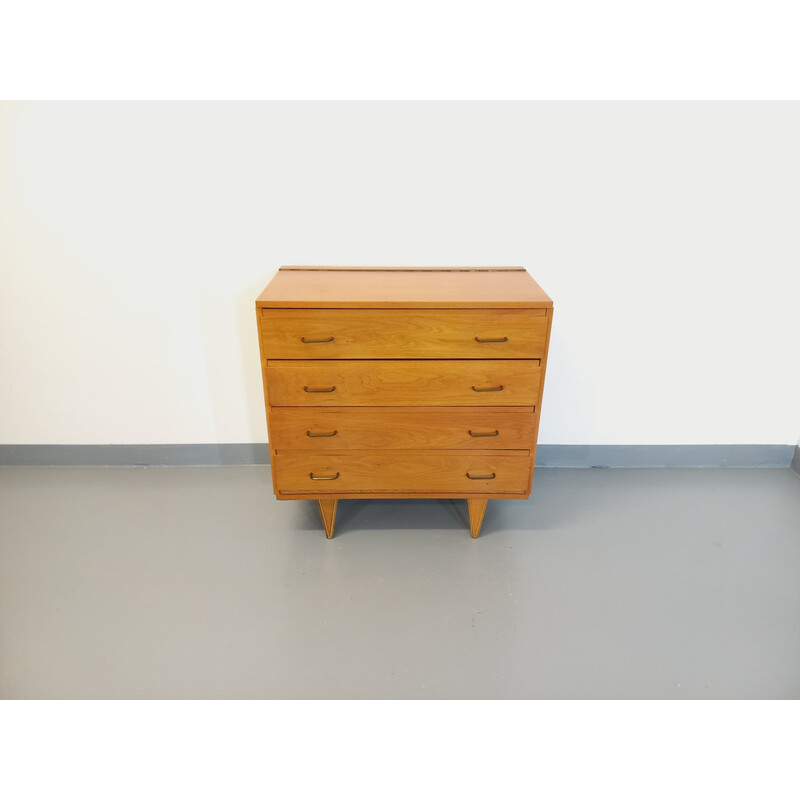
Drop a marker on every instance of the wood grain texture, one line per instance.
(399, 383)
(477, 508)
(365, 472)
(405, 333)
(266, 399)
(401, 428)
(327, 509)
(402, 288)
(439, 495)
(329, 268)
(396, 366)
(541, 393)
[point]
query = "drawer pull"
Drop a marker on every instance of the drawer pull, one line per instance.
(490, 389)
(315, 435)
(330, 478)
(306, 389)
(484, 341)
(482, 477)
(315, 341)
(476, 435)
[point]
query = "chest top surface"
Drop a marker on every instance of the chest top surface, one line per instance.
(403, 287)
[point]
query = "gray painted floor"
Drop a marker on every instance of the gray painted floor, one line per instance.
(196, 583)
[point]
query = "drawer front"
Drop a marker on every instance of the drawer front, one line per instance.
(403, 383)
(333, 429)
(455, 473)
(403, 333)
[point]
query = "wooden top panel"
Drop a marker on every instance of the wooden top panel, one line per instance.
(403, 287)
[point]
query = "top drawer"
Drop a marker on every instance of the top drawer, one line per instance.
(403, 333)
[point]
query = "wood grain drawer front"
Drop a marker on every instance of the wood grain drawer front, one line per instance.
(454, 473)
(403, 333)
(404, 383)
(332, 429)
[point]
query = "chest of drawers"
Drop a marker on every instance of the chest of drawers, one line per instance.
(403, 383)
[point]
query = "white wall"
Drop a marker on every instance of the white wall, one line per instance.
(134, 239)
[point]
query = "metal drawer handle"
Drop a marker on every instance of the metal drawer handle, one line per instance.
(484, 341)
(314, 478)
(482, 477)
(315, 435)
(315, 341)
(306, 389)
(476, 435)
(490, 389)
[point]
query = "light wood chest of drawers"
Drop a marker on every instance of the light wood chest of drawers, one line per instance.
(403, 382)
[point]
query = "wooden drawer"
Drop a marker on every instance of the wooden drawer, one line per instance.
(476, 382)
(377, 473)
(332, 429)
(403, 333)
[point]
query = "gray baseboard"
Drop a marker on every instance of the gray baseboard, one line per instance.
(664, 455)
(547, 455)
(132, 455)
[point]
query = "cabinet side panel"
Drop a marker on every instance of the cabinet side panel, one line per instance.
(263, 357)
(538, 411)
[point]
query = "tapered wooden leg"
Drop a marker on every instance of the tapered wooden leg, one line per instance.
(477, 508)
(327, 507)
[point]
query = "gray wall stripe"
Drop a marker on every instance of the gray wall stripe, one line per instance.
(796, 460)
(664, 455)
(547, 455)
(129, 455)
